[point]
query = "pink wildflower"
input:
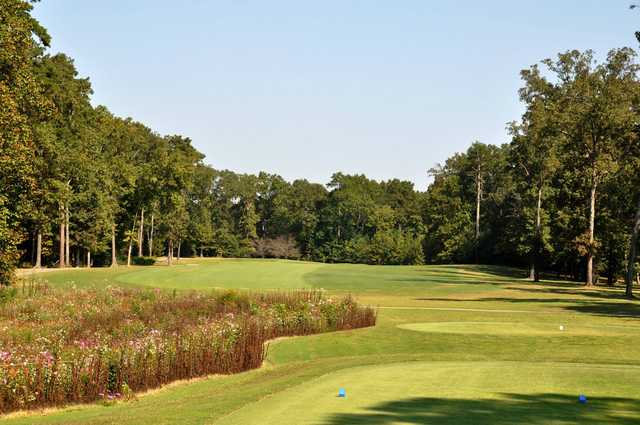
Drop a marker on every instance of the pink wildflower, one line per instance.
(47, 356)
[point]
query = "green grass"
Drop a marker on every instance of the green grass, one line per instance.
(454, 345)
(414, 393)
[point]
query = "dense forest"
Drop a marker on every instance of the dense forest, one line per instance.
(81, 187)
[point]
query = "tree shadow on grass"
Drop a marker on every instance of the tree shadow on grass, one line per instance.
(503, 300)
(608, 309)
(534, 409)
(457, 281)
(610, 302)
(602, 303)
(582, 292)
(497, 271)
(470, 272)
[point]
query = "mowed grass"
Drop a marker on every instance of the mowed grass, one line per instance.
(453, 345)
(474, 392)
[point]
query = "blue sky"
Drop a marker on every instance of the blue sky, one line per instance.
(307, 88)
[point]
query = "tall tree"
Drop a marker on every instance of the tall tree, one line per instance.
(630, 185)
(631, 259)
(448, 215)
(21, 39)
(594, 109)
(296, 212)
(62, 152)
(479, 157)
(533, 155)
(178, 171)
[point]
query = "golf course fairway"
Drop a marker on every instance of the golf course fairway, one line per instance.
(448, 392)
(452, 345)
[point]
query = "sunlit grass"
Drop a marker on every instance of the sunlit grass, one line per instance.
(485, 348)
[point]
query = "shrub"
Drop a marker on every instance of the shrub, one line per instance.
(391, 246)
(280, 247)
(7, 293)
(144, 261)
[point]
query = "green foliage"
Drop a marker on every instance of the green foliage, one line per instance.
(466, 179)
(7, 294)
(527, 202)
(144, 261)
(21, 37)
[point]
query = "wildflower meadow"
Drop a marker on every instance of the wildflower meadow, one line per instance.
(59, 347)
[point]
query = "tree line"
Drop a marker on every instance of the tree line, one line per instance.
(564, 194)
(82, 187)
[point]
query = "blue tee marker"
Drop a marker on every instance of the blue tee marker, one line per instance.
(342, 392)
(582, 399)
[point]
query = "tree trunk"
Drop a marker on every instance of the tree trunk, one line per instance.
(179, 245)
(532, 269)
(67, 258)
(151, 238)
(592, 219)
(538, 241)
(33, 248)
(170, 252)
(632, 254)
(478, 198)
(610, 265)
(61, 250)
(114, 259)
(201, 252)
(39, 249)
(133, 227)
(88, 258)
(129, 252)
(534, 273)
(141, 233)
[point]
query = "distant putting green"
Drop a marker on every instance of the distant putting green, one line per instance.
(453, 345)
(518, 328)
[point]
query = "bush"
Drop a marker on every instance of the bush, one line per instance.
(390, 247)
(144, 261)
(7, 293)
(280, 247)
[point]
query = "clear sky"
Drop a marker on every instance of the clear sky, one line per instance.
(305, 88)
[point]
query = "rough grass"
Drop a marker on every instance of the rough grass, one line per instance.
(485, 351)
